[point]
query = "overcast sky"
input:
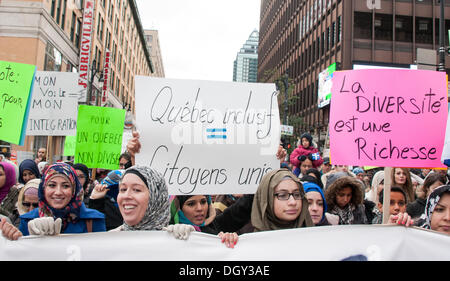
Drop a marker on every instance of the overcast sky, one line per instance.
(199, 39)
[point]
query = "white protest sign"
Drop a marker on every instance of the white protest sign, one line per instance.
(54, 108)
(321, 243)
(207, 137)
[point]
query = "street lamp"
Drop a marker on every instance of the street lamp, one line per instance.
(441, 37)
(93, 72)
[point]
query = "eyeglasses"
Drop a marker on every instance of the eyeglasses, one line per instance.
(284, 196)
(27, 204)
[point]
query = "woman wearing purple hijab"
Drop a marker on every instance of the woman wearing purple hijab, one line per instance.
(8, 192)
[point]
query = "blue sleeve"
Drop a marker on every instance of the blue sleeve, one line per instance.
(98, 225)
(23, 227)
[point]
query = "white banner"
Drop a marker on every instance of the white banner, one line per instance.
(324, 243)
(207, 137)
(54, 107)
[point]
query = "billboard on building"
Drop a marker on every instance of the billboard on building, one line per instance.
(325, 84)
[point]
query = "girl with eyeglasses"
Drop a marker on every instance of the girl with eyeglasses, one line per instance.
(280, 203)
(28, 197)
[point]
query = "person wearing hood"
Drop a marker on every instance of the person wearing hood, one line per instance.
(199, 212)
(417, 208)
(317, 205)
(376, 187)
(104, 199)
(143, 201)
(280, 203)
(308, 151)
(28, 199)
(8, 191)
(60, 210)
(437, 211)
(315, 173)
(85, 180)
(345, 198)
(28, 170)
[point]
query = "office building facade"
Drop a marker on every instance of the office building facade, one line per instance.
(49, 34)
(245, 66)
(305, 37)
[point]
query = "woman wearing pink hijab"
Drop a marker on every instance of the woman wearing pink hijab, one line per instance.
(8, 192)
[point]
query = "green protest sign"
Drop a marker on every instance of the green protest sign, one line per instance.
(69, 145)
(99, 136)
(16, 81)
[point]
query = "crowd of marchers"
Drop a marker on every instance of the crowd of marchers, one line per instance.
(42, 198)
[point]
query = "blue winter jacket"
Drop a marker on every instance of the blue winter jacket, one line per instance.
(98, 221)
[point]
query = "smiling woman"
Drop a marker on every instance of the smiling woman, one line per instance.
(60, 208)
(143, 200)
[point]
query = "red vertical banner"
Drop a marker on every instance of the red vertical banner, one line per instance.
(86, 43)
(105, 77)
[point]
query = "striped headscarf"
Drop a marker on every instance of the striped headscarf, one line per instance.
(432, 201)
(157, 214)
(69, 213)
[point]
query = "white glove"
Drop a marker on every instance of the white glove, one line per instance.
(180, 231)
(45, 226)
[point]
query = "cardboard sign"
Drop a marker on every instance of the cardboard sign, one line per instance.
(207, 137)
(54, 108)
(16, 84)
(99, 136)
(388, 117)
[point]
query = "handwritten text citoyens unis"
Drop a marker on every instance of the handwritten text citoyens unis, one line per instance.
(192, 176)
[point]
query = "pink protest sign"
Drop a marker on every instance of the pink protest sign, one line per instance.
(388, 117)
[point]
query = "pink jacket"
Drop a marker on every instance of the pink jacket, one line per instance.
(305, 151)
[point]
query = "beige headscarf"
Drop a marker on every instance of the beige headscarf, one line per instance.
(34, 183)
(263, 217)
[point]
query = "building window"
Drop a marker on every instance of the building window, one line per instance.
(363, 25)
(53, 58)
(58, 12)
(72, 27)
(403, 28)
(424, 30)
(53, 8)
(383, 27)
(63, 16)
(339, 29)
(77, 36)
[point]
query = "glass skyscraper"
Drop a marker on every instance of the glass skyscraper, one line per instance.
(246, 64)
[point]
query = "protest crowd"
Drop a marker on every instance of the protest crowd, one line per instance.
(42, 198)
(187, 157)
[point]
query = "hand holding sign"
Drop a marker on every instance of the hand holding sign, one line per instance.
(99, 136)
(16, 81)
